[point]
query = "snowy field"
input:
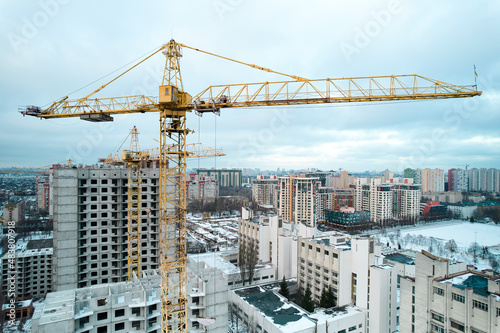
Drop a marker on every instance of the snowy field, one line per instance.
(451, 240)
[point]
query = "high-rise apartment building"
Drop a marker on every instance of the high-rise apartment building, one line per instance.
(200, 187)
(483, 180)
(226, 177)
(43, 192)
(416, 174)
(432, 180)
(297, 199)
(89, 207)
(387, 201)
(458, 180)
(265, 191)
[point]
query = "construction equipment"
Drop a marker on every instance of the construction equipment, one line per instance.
(134, 157)
(174, 102)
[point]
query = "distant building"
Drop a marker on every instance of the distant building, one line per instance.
(21, 310)
(30, 272)
(415, 174)
(432, 180)
(458, 180)
(347, 218)
(483, 180)
(265, 191)
(200, 187)
(14, 211)
(446, 296)
(433, 210)
(226, 177)
(43, 192)
(297, 199)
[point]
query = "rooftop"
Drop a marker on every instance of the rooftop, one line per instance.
(401, 258)
(478, 283)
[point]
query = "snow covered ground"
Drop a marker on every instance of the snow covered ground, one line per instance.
(436, 238)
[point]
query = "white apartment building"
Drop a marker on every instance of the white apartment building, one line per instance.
(297, 199)
(265, 191)
(354, 270)
(432, 180)
(445, 296)
(276, 241)
(30, 271)
(89, 209)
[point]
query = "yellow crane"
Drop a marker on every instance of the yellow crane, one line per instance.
(134, 157)
(173, 103)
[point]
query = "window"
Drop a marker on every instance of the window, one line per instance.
(457, 325)
(479, 305)
(119, 313)
(458, 298)
(437, 317)
(102, 329)
(352, 328)
(119, 326)
(102, 316)
(437, 328)
(438, 291)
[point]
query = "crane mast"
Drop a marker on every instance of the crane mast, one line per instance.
(173, 103)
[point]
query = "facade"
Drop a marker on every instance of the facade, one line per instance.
(200, 188)
(226, 177)
(445, 296)
(483, 180)
(458, 180)
(30, 272)
(432, 180)
(416, 174)
(43, 192)
(265, 191)
(14, 211)
(297, 198)
(387, 201)
(355, 273)
(89, 207)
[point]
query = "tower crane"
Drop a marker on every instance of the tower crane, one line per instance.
(134, 158)
(173, 103)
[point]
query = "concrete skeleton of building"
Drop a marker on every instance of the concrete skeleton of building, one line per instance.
(297, 199)
(30, 272)
(265, 191)
(446, 296)
(89, 209)
(226, 177)
(201, 187)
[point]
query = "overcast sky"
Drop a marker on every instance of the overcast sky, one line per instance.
(52, 48)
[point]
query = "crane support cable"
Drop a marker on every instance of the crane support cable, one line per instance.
(298, 78)
(128, 70)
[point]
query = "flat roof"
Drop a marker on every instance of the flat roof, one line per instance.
(401, 258)
(478, 283)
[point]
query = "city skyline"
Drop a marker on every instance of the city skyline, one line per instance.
(55, 47)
